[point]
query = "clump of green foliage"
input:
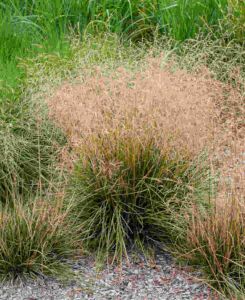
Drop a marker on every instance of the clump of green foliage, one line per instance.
(34, 237)
(29, 148)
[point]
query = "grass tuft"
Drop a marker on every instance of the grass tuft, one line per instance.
(34, 237)
(29, 148)
(214, 240)
(125, 188)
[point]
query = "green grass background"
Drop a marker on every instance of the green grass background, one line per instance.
(29, 27)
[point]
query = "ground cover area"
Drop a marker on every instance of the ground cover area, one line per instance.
(122, 149)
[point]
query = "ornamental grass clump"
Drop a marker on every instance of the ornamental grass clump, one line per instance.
(140, 178)
(35, 237)
(29, 148)
(220, 245)
(126, 189)
(215, 241)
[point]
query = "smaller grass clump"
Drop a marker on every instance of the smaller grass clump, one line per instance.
(29, 147)
(126, 189)
(34, 237)
(215, 241)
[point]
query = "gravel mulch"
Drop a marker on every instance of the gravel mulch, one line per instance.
(160, 279)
